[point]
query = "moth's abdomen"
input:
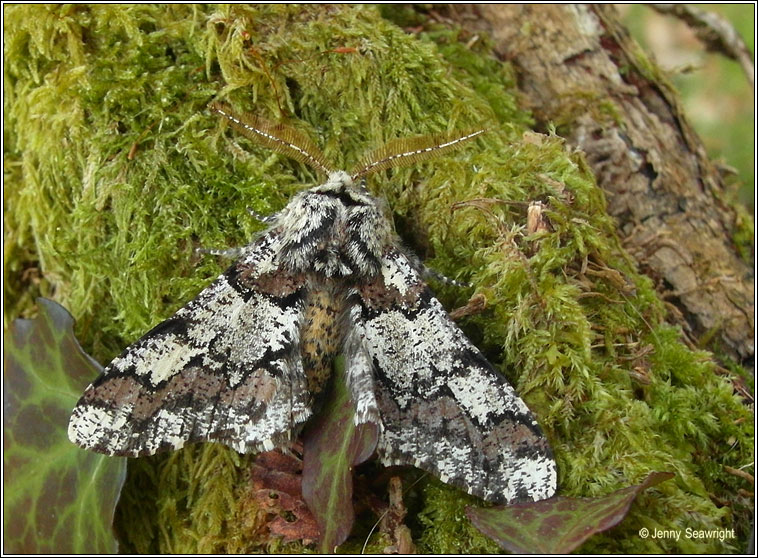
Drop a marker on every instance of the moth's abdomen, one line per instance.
(320, 337)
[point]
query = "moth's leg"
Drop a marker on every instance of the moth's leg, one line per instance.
(266, 219)
(225, 252)
(429, 273)
(238, 251)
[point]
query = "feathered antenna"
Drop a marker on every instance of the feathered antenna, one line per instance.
(408, 151)
(282, 139)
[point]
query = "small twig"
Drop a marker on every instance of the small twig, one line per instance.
(472, 41)
(715, 32)
(613, 276)
(601, 295)
(644, 351)
(133, 149)
(740, 473)
(378, 521)
(475, 305)
(640, 374)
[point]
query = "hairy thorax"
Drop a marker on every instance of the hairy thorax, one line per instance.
(336, 230)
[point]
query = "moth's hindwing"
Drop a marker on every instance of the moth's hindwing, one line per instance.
(227, 367)
(443, 406)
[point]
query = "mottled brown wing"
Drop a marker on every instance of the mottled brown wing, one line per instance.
(224, 368)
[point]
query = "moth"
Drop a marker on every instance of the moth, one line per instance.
(245, 362)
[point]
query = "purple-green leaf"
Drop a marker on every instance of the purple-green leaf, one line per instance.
(332, 446)
(557, 525)
(58, 499)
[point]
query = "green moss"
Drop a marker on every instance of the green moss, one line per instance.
(570, 320)
(445, 526)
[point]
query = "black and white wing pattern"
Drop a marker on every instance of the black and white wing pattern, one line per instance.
(443, 407)
(226, 367)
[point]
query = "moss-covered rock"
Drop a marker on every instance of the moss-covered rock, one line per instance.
(115, 173)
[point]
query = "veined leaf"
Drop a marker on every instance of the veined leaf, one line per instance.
(332, 446)
(59, 499)
(557, 525)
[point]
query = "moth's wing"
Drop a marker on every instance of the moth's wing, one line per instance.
(444, 408)
(224, 368)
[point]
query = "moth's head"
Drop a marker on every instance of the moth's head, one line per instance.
(339, 180)
(345, 187)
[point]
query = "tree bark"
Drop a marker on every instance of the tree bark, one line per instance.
(579, 70)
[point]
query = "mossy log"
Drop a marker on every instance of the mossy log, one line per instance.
(115, 172)
(579, 70)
